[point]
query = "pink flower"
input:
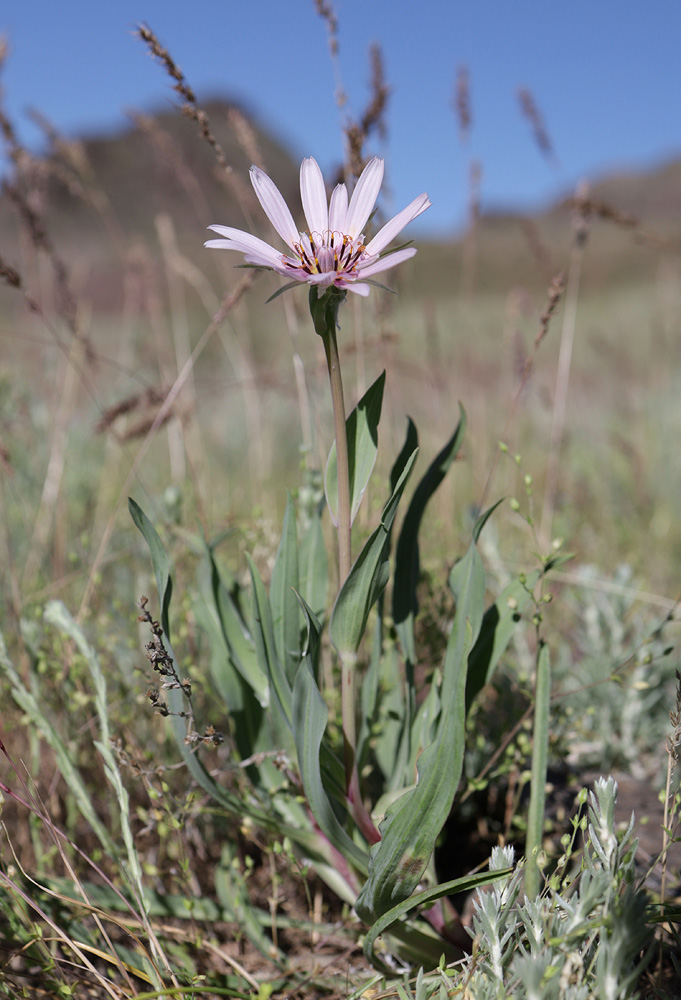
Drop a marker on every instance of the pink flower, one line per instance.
(332, 250)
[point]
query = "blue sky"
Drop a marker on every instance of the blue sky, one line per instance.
(605, 74)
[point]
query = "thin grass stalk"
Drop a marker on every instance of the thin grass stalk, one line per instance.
(57, 615)
(59, 934)
(567, 339)
(348, 685)
(540, 747)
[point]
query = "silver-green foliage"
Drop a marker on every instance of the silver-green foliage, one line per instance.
(588, 938)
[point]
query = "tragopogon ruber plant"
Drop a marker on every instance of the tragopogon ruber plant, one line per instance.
(331, 256)
(372, 844)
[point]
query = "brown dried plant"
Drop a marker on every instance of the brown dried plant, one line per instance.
(191, 107)
(373, 118)
(461, 102)
(541, 136)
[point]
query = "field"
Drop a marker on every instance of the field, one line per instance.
(137, 364)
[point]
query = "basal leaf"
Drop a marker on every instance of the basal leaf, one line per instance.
(286, 618)
(310, 716)
(424, 899)
(266, 647)
(407, 552)
(313, 568)
(413, 823)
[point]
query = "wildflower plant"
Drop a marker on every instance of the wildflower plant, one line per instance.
(373, 843)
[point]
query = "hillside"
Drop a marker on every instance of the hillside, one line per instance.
(106, 193)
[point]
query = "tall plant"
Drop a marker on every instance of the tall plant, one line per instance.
(374, 845)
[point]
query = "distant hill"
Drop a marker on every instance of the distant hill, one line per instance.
(102, 193)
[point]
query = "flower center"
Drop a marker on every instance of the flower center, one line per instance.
(321, 253)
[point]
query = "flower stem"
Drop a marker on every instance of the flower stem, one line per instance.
(324, 312)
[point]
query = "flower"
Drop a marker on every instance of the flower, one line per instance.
(332, 250)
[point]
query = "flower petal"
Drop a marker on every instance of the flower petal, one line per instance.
(313, 196)
(364, 197)
(383, 263)
(237, 239)
(358, 287)
(274, 206)
(338, 209)
(397, 224)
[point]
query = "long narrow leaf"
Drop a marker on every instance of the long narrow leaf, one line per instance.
(362, 432)
(310, 716)
(159, 560)
(425, 898)
(231, 639)
(313, 567)
(286, 618)
(265, 644)
(367, 579)
(407, 567)
(498, 624)
(413, 823)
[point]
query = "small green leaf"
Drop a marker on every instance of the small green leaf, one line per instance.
(362, 432)
(366, 579)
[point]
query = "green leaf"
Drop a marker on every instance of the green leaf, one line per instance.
(286, 618)
(362, 432)
(310, 716)
(313, 567)
(498, 625)
(467, 583)
(407, 568)
(366, 580)
(159, 560)
(425, 899)
(265, 644)
(413, 823)
(230, 636)
(411, 443)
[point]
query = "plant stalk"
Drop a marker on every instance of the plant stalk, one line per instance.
(325, 317)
